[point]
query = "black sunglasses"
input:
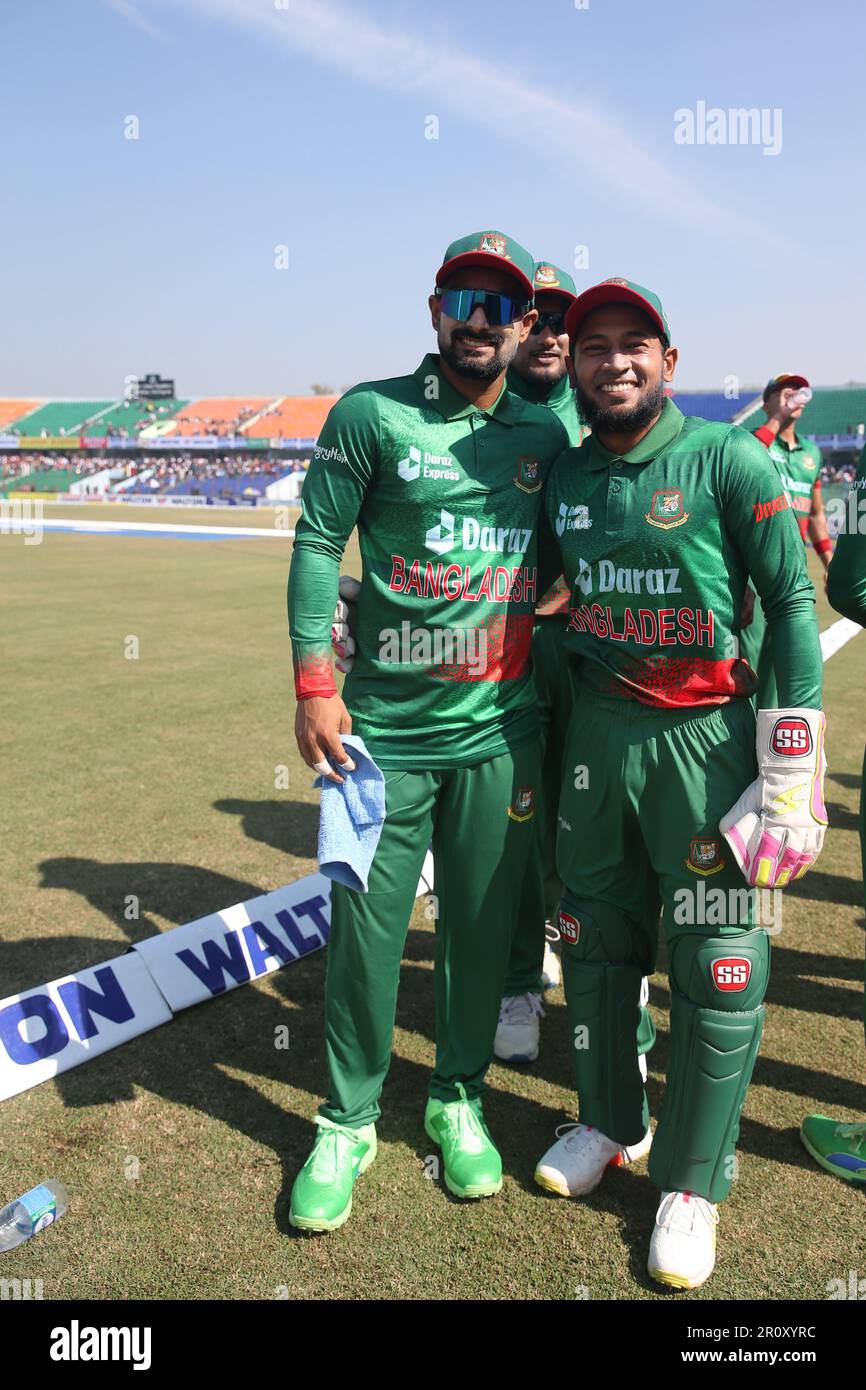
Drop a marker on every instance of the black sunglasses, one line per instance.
(499, 309)
(554, 319)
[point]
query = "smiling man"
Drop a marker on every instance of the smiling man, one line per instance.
(442, 471)
(660, 519)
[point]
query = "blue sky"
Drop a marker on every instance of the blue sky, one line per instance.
(301, 123)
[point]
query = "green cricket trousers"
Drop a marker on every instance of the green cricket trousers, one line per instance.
(481, 823)
(639, 836)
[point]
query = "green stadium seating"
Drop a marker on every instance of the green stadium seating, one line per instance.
(127, 415)
(42, 480)
(58, 417)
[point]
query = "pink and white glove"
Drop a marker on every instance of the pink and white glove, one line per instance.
(343, 623)
(776, 830)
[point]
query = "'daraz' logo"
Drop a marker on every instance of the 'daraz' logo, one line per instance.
(410, 468)
(666, 509)
(440, 538)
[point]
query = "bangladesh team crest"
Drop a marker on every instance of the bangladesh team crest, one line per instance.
(667, 509)
(528, 477)
(492, 241)
(705, 857)
(546, 278)
(523, 804)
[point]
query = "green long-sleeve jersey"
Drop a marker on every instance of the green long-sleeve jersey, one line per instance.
(448, 502)
(846, 577)
(656, 546)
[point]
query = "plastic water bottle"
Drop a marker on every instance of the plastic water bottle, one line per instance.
(32, 1212)
(800, 397)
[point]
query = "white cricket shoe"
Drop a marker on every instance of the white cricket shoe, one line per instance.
(551, 970)
(575, 1164)
(518, 1029)
(682, 1251)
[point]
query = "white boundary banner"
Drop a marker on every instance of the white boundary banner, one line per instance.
(47, 1030)
(50, 1028)
(238, 944)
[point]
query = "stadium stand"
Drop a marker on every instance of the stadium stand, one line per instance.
(292, 417)
(12, 410)
(709, 405)
(58, 417)
(130, 417)
(41, 480)
(220, 415)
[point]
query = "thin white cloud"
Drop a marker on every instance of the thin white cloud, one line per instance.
(130, 12)
(573, 137)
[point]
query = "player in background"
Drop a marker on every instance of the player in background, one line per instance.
(443, 472)
(539, 372)
(841, 1148)
(660, 520)
(798, 462)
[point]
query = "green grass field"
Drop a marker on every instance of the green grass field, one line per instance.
(155, 777)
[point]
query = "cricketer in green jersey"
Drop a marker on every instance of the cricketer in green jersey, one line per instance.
(841, 1148)
(798, 463)
(442, 471)
(660, 520)
(539, 372)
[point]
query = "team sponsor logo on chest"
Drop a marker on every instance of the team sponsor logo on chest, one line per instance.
(705, 857)
(473, 535)
(667, 508)
(528, 477)
(623, 579)
(421, 463)
(575, 518)
(522, 804)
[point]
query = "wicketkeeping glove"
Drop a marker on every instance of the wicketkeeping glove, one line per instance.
(344, 623)
(776, 829)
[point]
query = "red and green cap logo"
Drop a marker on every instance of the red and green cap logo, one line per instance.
(617, 291)
(783, 379)
(549, 279)
(490, 249)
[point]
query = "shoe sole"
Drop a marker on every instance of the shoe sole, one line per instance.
(679, 1281)
(517, 1057)
(475, 1189)
(550, 1184)
(859, 1179)
(320, 1223)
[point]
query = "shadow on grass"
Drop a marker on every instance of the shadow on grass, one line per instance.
(289, 826)
(850, 780)
(841, 818)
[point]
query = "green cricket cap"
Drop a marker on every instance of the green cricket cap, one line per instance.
(783, 379)
(490, 249)
(549, 279)
(617, 291)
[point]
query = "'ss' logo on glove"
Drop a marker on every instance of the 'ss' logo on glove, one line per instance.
(776, 830)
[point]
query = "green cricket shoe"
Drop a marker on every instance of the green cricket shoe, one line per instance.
(322, 1191)
(840, 1148)
(471, 1160)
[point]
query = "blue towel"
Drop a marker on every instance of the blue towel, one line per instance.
(351, 818)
